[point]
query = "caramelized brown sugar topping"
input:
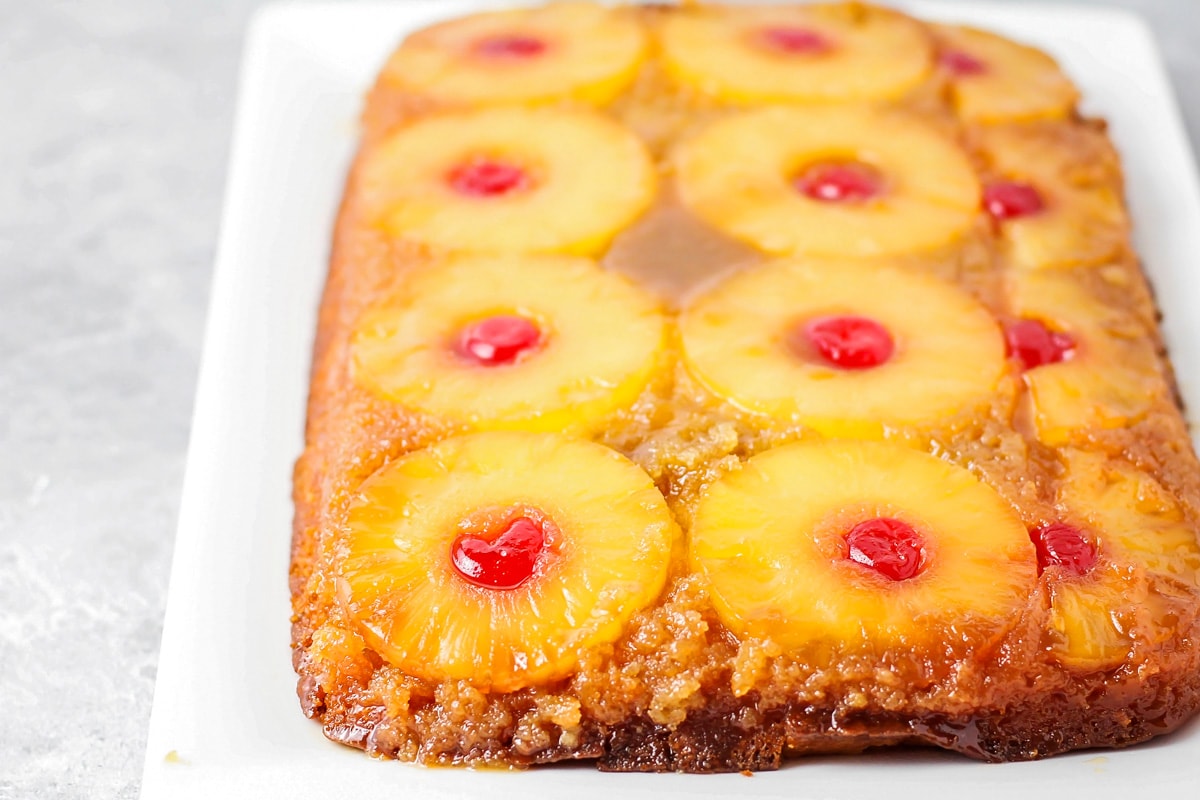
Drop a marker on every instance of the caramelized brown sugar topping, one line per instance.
(696, 386)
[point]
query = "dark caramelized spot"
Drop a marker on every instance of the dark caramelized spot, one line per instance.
(510, 46)
(1006, 200)
(961, 64)
(793, 40)
(845, 341)
(1035, 345)
(840, 182)
(1061, 545)
(504, 562)
(487, 178)
(887, 546)
(497, 340)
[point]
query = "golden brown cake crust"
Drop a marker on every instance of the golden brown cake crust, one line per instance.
(678, 690)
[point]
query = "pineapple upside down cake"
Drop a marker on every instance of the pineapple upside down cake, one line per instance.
(700, 386)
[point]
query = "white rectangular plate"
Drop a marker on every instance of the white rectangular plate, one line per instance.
(226, 723)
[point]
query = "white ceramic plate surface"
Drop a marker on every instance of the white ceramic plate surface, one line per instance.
(226, 723)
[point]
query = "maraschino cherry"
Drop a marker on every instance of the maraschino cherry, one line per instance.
(794, 40)
(1005, 200)
(843, 341)
(487, 178)
(961, 64)
(1035, 345)
(497, 341)
(504, 562)
(1061, 545)
(850, 182)
(510, 46)
(886, 546)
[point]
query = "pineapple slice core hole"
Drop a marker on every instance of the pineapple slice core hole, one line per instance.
(962, 64)
(1035, 344)
(498, 340)
(509, 47)
(844, 341)
(486, 177)
(887, 546)
(848, 181)
(791, 41)
(504, 548)
(1005, 200)
(1061, 545)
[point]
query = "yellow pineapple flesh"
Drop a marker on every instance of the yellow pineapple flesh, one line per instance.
(570, 50)
(509, 180)
(946, 352)
(1149, 554)
(747, 175)
(1080, 217)
(994, 79)
(1109, 378)
(813, 53)
(519, 613)
(570, 375)
(1091, 621)
(771, 539)
(1141, 522)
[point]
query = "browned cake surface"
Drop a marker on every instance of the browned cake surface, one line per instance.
(1107, 658)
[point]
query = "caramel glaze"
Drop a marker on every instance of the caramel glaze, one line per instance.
(678, 691)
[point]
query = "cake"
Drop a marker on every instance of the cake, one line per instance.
(701, 387)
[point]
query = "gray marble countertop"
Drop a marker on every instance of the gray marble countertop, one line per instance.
(116, 124)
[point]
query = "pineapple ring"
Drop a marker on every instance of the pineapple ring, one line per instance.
(948, 350)
(769, 539)
(1138, 522)
(579, 375)
(1138, 518)
(739, 175)
(572, 50)
(1111, 378)
(571, 204)
(1003, 81)
(609, 559)
(827, 53)
(1075, 173)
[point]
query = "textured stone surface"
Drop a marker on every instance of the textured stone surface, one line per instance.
(115, 128)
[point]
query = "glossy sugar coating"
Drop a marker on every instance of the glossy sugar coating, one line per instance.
(709, 673)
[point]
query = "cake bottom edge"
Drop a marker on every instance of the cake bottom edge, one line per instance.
(1115, 716)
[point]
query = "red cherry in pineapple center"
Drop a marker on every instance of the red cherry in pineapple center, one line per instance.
(505, 562)
(962, 64)
(487, 178)
(794, 40)
(850, 182)
(845, 342)
(887, 546)
(510, 46)
(1035, 345)
(1062, 545)
(1011, 200)
(499, 340)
